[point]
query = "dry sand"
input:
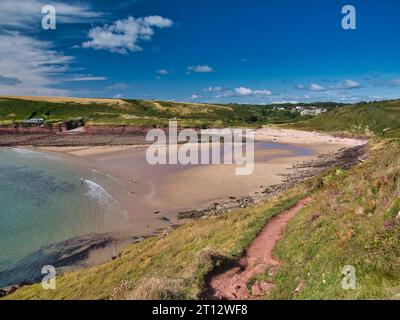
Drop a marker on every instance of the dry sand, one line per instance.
(303, 137)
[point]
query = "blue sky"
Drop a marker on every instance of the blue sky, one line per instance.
(252, 51)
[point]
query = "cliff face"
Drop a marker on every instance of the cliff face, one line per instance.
(17, 129)
(58, 135)
(89, 129)
(120, 129)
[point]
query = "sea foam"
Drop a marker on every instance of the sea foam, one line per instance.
(103, 198)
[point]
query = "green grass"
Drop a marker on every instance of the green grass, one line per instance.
(144, 113)
(375, 118)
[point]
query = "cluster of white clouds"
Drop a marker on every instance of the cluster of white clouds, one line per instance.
(124, 35)
(32, 65)
(343, 91)
(243, 91)
(222, 92)
(345, 85)
(29, 66)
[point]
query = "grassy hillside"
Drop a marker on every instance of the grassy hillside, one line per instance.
(375, 118)
(351, 221)
(140, 112)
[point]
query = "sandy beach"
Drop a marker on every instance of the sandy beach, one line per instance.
(154, 195)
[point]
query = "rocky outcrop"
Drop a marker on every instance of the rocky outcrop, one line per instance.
(60, 255)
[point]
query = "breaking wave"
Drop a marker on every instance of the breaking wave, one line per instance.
(105, 200)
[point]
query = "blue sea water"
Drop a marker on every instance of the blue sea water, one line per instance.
(43, 201)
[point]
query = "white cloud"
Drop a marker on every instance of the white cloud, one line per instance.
(33, 64)
(200, 69)
(163, 72)
(242, 91)
(87, 78)
(157, 21)
(213, 89)
(262, 92)
(347, 84)
(124, 35)
(316, 87)
(28, 13)
(195, 96)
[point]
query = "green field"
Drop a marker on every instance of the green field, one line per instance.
(143, 113)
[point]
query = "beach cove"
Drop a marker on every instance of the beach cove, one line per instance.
(147, 199)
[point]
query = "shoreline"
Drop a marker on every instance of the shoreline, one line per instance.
(170, 218)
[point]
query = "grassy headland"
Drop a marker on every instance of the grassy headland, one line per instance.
(374, 118)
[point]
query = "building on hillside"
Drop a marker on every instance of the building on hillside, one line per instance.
(297, 109)
(313, 112)
(35, 121)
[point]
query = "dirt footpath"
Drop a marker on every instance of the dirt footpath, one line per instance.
(231, 283)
